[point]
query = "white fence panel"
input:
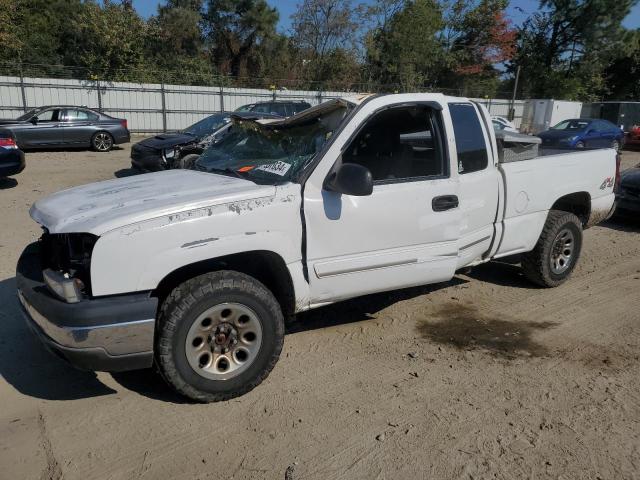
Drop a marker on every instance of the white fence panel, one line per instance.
(154, 107)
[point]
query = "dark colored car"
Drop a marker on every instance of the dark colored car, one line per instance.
(67, 126)
(628, 193)
(283, 108)
(181, 149)
(581, 133)
(11, 157)
(633, 136)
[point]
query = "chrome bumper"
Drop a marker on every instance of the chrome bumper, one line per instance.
(107, 333)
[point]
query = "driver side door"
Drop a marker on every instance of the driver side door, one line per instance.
(405, 233)
(45, 131)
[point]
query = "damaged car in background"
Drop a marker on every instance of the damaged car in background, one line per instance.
(195, 271)
(182, 149)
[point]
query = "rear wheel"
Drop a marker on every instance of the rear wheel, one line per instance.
(219, 336)
(555, 255)
(102, 141)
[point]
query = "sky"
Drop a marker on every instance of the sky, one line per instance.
(518, 11)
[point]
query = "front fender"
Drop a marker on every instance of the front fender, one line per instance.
(137, 257)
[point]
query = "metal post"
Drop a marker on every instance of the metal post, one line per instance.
(512, 110)
(24, 95)
(164, 108)
(319, 97)
(221, 97)
(99, 96)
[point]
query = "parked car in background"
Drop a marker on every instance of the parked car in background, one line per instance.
(284, 108)
(633, 136)
(502, 124)
(67, 126)
(182, 149)
(11, 157)
(628, 193)
(578, 133)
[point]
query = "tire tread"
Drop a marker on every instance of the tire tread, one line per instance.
(186, 295)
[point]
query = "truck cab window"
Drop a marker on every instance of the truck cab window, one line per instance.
(399, 144)
(470, 144)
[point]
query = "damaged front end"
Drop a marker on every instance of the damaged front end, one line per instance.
(66, 264)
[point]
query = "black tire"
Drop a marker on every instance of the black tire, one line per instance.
(182, 308)
(537, 264)
(188, 161)
(102, 141)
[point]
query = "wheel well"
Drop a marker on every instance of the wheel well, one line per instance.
(578, 203)
(265, 266)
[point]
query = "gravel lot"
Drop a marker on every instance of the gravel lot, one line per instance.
(481, 377)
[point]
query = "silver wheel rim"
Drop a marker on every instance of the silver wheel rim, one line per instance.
(102, 142)
(562, 251)
(579, 145)
(223, 341)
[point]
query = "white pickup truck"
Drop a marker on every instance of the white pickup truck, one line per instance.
(196, 271)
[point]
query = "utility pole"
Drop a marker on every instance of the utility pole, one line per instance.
(512, 110)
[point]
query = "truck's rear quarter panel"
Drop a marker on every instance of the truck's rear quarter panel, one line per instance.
(534, 186)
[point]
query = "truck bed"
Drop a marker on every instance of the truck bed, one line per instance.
(532, 186)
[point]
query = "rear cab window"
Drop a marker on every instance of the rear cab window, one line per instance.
(470, 141)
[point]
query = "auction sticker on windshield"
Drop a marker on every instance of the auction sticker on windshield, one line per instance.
(277, 168)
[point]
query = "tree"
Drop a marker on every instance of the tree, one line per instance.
(564, 49)
(325, 35)
(622, 76)
(10, 44)
(403, 52)
(236, 30)
(477, 37)
(106, 41)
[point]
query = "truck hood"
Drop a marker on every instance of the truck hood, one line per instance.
(168, 140)
(100, 207)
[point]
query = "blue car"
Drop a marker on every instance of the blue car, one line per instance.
(581, 133)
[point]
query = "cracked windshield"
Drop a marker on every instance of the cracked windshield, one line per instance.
(266, 154)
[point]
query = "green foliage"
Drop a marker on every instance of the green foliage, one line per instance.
(236, 30)
(404, 51)
(325, 38)
(563, 51)
(106, 40)
(570, 49)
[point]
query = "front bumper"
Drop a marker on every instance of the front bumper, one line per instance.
(110, 333)
(146, 159)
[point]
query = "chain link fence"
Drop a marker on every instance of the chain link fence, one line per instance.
(159, 107)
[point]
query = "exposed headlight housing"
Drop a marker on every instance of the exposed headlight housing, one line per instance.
(66, 288)
(169, 153)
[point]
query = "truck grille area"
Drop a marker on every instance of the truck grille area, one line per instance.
(69, 253)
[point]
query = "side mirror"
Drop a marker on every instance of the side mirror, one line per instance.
(34, 120)
(350, 179)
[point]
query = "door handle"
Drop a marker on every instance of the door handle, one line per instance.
(444, 202)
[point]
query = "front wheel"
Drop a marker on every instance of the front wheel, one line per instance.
(580, 145)
(219, 336)
(102, 141)
(556, 254)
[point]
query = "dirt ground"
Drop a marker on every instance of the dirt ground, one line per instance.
(481, 377)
